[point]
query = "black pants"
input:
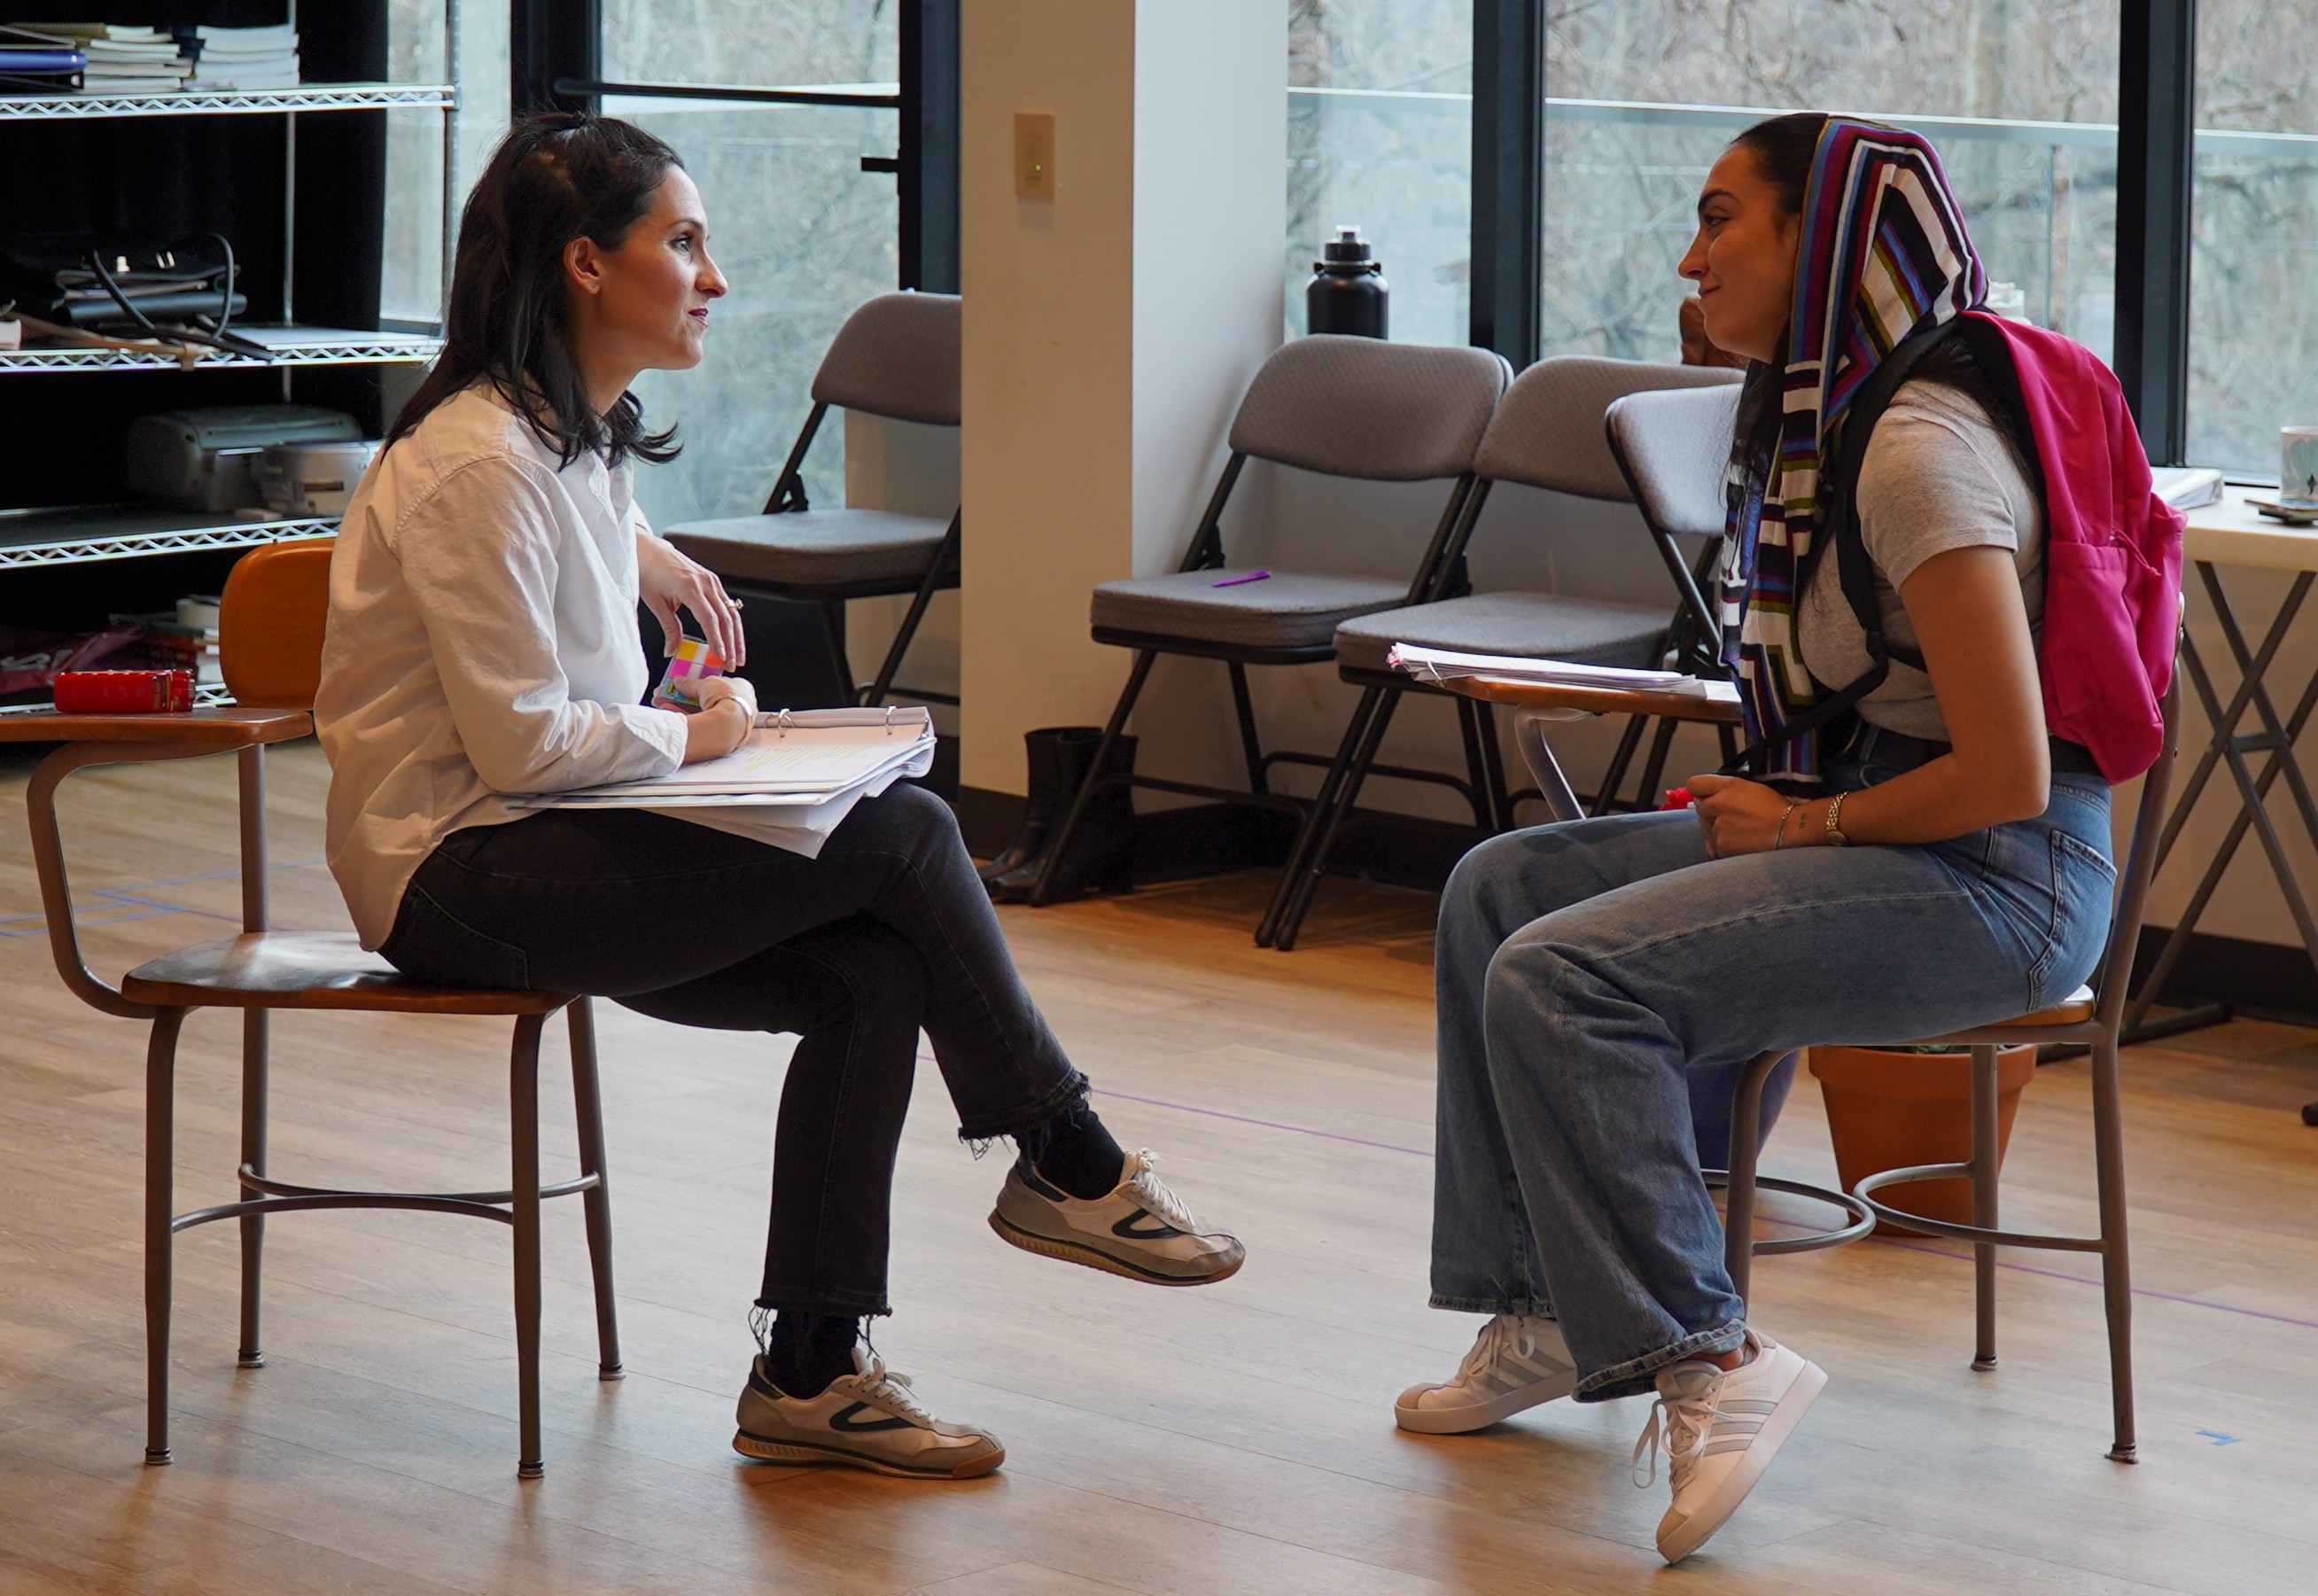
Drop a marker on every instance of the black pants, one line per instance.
(886, 932)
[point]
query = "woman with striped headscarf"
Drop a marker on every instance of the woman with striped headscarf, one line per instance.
(1932, 861)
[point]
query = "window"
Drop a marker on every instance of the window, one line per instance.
(411, 275)
(1380, 136)
(804, 233)
(2020, 102)
(2253, 316)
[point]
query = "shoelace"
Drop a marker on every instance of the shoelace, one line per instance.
(1156, 1195)
(1678, 1427)
(881, 1384)
(1497, 1337)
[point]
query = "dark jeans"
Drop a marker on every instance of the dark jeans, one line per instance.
(889, 930)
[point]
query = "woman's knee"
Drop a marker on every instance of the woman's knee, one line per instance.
(878, 970)
(1471, 899)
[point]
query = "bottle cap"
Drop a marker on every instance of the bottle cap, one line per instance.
(1347, 246)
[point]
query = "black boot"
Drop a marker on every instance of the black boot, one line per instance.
(1102, 856)
(1050, 796)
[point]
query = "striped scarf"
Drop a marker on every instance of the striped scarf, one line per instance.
(1883, 254)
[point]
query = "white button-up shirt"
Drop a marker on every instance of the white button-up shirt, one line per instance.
(483, 642)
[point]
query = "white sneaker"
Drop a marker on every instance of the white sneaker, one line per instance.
(1518, 1361)
(1720, 1428)
(869, 1419)
(1141, 1229)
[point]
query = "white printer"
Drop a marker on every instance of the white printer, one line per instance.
(213, 459)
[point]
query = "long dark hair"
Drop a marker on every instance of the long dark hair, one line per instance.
(556, 177)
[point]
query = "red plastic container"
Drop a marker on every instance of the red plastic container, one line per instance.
(124, 692)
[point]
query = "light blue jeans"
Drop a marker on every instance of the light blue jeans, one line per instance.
(1583, 968)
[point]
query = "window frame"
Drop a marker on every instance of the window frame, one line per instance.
(2156, 102)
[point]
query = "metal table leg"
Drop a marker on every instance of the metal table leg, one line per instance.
(2230, 747)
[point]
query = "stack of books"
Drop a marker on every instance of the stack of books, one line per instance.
(183, 639)
(241, 58)
(122, 58)
(35, 62)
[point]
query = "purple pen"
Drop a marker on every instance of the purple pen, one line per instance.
(1232, 582)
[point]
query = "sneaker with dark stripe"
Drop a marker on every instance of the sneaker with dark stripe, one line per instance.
(1518, 1361)
(869, 1419)
(1141, 1229)
(1720, 1429)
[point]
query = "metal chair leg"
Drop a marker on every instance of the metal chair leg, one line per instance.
(1493, 767)
(1984, 1171)
(255, 1073)
(1291, 871)
(160, 1204)
(1746, 1157)
(945, 559)
(2116, 1273)
(255, 1041)
(1042, 892)
(523, 1081)
(588, 1103)
(1305, 885)
(1481, 799)
(840, 658)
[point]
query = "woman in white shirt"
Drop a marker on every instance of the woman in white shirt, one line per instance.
(482, 644)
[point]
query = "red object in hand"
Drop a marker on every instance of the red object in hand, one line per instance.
(1678, 797)
(125, 692)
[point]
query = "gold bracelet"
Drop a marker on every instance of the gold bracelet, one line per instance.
(1778, 836)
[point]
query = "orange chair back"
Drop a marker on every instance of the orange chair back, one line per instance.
(270, 625)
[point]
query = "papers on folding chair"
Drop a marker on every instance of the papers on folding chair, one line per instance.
(1442, 664)
(798, 775)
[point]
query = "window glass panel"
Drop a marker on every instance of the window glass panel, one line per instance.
(751, 41)
(2253, 315)
(1380, 136)
(2020, 99)
(803, 235)
(412, 275)
(802, 231)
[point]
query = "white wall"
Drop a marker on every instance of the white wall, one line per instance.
(1108, 332)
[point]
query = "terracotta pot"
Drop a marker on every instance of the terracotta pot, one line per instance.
(1893, 1111)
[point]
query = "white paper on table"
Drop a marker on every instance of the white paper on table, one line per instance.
(798, 828)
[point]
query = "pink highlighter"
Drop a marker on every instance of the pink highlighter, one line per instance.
(692, 662)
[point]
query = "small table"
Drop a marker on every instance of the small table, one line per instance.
(2229, 532)
(1571, 702)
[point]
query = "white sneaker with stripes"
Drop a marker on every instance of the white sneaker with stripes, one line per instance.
(1518, 1361)
(1720, 1430)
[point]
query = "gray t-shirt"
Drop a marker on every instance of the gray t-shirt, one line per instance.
(1940, 474)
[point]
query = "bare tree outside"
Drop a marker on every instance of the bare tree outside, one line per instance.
(2020, 96)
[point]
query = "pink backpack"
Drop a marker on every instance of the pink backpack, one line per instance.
(2112, 547)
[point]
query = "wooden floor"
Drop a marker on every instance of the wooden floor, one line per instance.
(1223, 1440)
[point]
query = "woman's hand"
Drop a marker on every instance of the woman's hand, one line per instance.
(728, 709)
(1739, 816)
(669, 582)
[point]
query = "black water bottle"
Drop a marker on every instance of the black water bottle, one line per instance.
(1347, 293)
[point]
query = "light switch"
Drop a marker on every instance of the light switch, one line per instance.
(1034, 155)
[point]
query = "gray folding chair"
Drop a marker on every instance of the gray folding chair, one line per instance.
(1548, 432)
(1343, 407)
(896, 356)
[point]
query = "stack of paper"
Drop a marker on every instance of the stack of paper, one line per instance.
(241, 58)
(2187, 487)
(798, 775)
(123, 58)
(1442, 664)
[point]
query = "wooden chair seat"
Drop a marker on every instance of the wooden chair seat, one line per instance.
(311, 970)
(2074, 1009)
